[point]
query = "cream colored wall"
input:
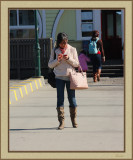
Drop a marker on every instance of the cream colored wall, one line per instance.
(77, 45)
(67, 24)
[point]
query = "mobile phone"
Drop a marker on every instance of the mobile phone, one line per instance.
(65, 54)
(60, 54)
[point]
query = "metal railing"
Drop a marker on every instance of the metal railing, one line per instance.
(22, 57)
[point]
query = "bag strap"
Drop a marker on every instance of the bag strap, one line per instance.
(54, 59)
(54, 55)
(81, 68)
(97, 40)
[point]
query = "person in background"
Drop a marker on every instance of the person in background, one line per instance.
(66, 60)
(96, 54)
(83, 59)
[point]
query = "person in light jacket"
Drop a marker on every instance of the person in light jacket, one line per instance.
(66, 60)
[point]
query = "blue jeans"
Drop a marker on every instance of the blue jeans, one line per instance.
(96, 62)
(60, 85)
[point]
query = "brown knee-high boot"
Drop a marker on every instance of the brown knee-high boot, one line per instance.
(61, 118)
(73, 115)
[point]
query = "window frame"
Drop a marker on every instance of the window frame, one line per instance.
(96, 23)
(23, 27)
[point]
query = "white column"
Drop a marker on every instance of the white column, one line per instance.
(122, 30)
(17, 17)
(97, 20)
(78, 24)
(40, 24)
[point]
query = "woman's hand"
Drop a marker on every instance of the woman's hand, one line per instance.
(65, 57)
(60, 56)
(103, 59)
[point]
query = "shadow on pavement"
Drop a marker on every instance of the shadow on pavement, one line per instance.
(55, 128)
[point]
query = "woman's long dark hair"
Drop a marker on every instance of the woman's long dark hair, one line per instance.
(60, 37)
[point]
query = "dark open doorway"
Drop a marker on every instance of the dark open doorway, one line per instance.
(112, 34)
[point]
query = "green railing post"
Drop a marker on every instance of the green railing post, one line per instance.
(37, 50)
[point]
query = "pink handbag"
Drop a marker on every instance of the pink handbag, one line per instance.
(78, 80)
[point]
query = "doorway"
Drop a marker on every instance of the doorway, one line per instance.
(112, 34)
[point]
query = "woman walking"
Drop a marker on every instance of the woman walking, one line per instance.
(66, 60)
(96, 53)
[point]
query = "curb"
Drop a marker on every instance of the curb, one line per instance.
(24, 88)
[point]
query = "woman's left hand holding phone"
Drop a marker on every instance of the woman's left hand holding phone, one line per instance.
(65, 57)
(60, 56)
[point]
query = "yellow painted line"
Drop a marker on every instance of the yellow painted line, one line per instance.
(25, 82)
(40, 83)
(15, 94)
(31, 87)
(9, 101)
(34, 81)
(19, 90)
(30, 80)
(24, 87)
(36, 84)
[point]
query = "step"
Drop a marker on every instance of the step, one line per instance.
(108, 71)
(107, 74)
(112, 62)
(109, 66)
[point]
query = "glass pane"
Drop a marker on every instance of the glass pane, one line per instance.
(27, 33)
(13, 17)
(87, 15)
(110, 29)
(118, 24)
(86, 34)
(87, 27)
(26, 17)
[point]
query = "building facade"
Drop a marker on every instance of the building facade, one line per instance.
(78, 24)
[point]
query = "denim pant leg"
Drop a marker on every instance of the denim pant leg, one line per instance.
(98, 61)
(93, 61)
(60, 85)
(71, 95)
(94, 67)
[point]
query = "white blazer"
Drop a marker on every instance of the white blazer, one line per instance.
(64, 67)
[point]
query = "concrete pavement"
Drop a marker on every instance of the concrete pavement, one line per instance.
(33, 120)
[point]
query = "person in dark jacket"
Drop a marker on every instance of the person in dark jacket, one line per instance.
(96, 54)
